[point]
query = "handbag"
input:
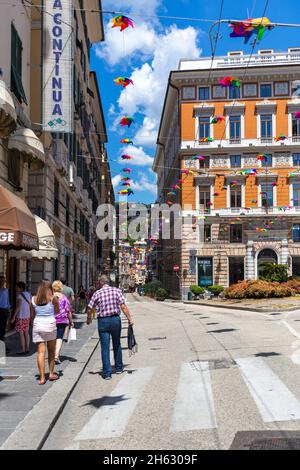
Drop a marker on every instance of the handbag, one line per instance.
(72, 335)
(131, 341)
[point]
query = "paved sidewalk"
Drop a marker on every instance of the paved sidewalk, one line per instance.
(19, 389)
(255, 305)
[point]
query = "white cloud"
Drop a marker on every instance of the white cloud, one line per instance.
(144, 184)
(119, 48)
(150, 80)
(139, 157)
(116, 180)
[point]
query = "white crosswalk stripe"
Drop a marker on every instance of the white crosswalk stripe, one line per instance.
(273, 399)
(194, 406)
(112, 417)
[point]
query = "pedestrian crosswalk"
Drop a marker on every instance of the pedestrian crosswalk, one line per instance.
(195, 400)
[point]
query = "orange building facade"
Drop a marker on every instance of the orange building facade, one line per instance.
(245, 208)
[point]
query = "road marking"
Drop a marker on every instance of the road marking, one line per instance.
(273, 399)
(114, 413)
(194, 406)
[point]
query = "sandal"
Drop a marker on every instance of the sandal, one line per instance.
(42, 382)
(54, 377)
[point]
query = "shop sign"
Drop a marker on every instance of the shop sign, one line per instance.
(57, 66)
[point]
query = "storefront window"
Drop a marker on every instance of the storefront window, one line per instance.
(205, 272)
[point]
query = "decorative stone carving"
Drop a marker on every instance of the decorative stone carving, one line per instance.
(249, 160)
(219, 161)
(282, 159)
(189, 163)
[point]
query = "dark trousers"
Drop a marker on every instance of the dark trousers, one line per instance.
(110, 327)
(4, 314)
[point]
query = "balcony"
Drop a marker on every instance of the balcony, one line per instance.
(235, 141)
(251, 211)
(60, 155)
(255, 60)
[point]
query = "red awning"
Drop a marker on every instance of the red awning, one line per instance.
(17, 223)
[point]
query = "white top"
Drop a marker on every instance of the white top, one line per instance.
(24, 309)
(44, 313)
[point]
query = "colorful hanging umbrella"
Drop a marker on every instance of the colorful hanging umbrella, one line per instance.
(126, 121)
(122, 22)
(124, 81)
(126, 141)
(126, 157)
(229, 82)
(206, 139)
(217, 119)
(247, 28)
(280, 137)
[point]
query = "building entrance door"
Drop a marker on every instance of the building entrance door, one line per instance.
(266, 256)
(236, 269)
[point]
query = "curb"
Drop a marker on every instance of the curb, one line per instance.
(33, 431)
(248, 309)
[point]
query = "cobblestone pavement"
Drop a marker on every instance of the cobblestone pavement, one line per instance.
(19, 389)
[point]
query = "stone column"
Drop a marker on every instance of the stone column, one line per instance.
(250, 261)
(285, 255)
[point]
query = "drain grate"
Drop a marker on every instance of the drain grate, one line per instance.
(221, 364)
(266, 440)
(275, 444)
(9, 377)
(156, 338)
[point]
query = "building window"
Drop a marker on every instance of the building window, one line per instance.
(56, 197)
(266, 90)
(204, 163)
(236, 269)
(266, 195)
(296, 265)
(14, 169)
(295, 127)
(267, 161)
(296, 235)
(266, 126)
(188, 93)
(236, 233)
(67, 211)
(204, 127)
(204, 93)
(205, 197)
(235, 128)
(234, 93)
(235, 161)
(296, 159)
(236, 196)
(296, 194)
(16, 66)
(207, 233)
(205, 272)
(296, 88)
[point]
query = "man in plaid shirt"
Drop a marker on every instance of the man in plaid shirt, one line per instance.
(108, 302)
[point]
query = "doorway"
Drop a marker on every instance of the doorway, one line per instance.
(236, 269)
(266, 256)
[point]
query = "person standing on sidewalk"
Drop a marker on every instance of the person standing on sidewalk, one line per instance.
(108, 302)
(63, 319)
(22, 317)
(45, 308)
(4, 307)
(82, 295)
(69, 293)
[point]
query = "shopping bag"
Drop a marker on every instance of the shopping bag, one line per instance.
(72, 335)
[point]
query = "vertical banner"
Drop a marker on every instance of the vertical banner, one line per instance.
(57, 66)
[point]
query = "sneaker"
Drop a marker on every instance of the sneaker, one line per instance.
(107, 378)
(119, 372)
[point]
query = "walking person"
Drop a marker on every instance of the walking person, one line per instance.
(4, 308)
(82, 299)
(68, 292)
(45, 307)
(63, 319)
(22, 317)
(108, 302)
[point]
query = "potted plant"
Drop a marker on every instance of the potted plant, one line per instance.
(161, 294)
(197, 291)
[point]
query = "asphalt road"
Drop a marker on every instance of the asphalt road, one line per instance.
(201, 376)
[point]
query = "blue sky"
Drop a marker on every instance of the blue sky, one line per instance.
(148, 52)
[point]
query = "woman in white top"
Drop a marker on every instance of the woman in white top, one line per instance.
(22, 317)
(45, 307)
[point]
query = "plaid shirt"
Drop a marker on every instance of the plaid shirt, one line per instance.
(107, 301)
